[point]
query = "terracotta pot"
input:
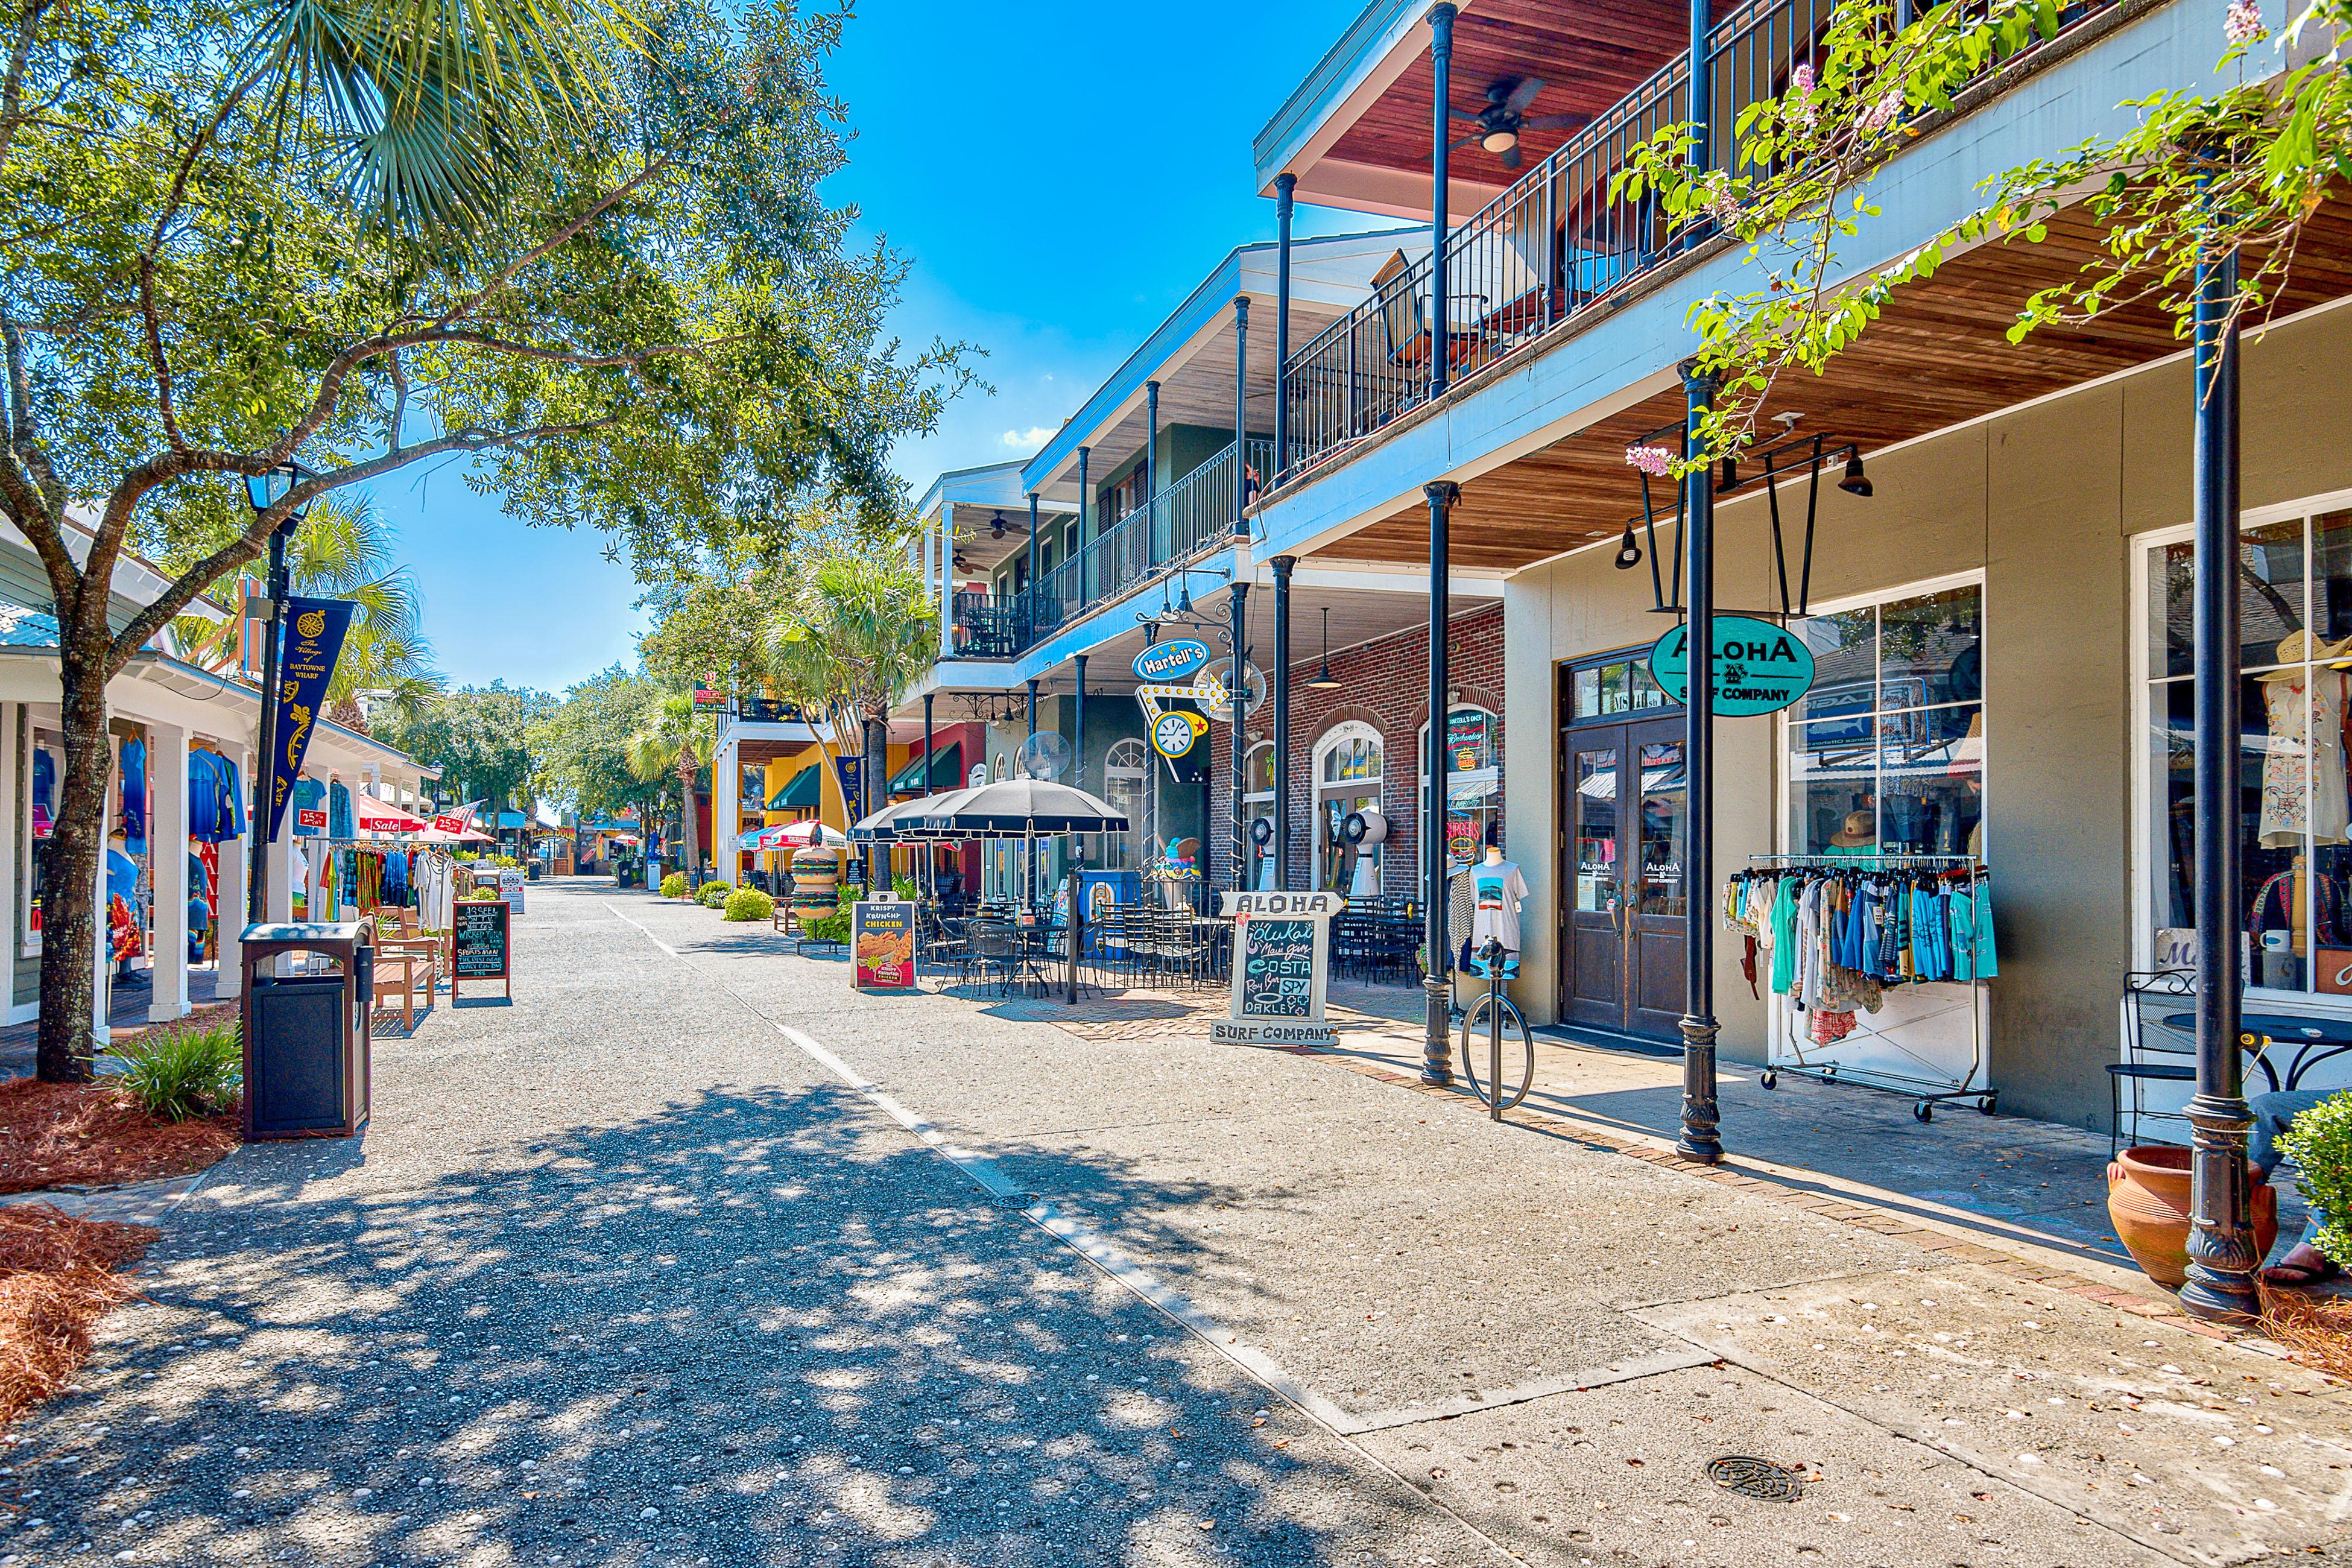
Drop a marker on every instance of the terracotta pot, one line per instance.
(2148, 1200)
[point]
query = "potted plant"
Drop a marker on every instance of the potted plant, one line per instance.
(2147, 1203)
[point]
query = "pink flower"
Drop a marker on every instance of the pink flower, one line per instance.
(1801, 89)
(1723, 202)
(2243, 25)
(1655, 461)
(1884, 112)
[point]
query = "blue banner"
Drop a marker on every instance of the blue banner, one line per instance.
(852, 786)
(314, 638)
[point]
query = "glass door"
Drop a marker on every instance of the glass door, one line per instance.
(1593, 967)
(1657, 918)
(1624, 832)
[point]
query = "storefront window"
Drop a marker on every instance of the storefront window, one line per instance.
(1346, 780)
(1886, 752)
(1126, 779)
(2295, 609)
(1473, 783)
(46, 778)
(1258, 803)
(1604, 690)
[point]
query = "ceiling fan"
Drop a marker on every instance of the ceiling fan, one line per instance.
(1505, 116)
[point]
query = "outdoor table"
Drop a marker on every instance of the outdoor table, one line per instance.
(2314, 1040)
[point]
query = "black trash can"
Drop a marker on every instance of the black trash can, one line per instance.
(306, 1034)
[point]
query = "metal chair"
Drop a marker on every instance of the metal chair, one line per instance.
(2148, 1040)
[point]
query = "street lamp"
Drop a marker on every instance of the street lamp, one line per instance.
(265, 490)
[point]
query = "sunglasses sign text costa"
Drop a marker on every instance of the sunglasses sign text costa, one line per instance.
(1759, 668)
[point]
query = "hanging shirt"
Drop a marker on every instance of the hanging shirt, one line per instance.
(1498, 889)
(1784, 935)
(309, 794)
(45, 788)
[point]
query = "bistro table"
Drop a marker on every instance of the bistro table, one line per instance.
(2314, 1040)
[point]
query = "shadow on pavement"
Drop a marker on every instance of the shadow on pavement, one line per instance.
(753, 1327)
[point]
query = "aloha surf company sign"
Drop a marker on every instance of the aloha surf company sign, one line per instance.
(1759, 668)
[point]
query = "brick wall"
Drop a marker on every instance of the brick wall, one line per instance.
(1384, 684)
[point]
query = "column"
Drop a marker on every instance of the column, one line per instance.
(2222, 1254)
(1028, 853)
(1023, 620)
(1151, 470)
(1699, 1140)
(229, 902)
(1241, 434)
(1437, 990)
(727, 811)
(945, 528)
(1441, 66)
(1079, 737)
(1286, 192)
(1237, 691)
(167, 840)
(1280, 698)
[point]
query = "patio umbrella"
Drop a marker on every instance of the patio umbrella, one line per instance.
(884, 825)
(372, 814)
(797, 836)
(1013, 808)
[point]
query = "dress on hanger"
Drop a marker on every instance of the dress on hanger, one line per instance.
(2304, 737)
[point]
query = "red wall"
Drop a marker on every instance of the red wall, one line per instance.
(1383, 684)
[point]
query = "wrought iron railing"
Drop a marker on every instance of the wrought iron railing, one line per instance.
(768, 711)
(1555, 245)
(1192, 513)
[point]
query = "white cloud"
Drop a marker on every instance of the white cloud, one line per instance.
(1028, 440)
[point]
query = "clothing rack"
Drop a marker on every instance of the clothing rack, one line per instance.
(1926, 1092)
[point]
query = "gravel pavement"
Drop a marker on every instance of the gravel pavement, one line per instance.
(692, 1256)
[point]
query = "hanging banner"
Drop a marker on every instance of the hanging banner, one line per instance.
(457, 821)
(314, 638)
(1759, 668)
(852, 786)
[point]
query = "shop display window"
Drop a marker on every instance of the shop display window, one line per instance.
(1258, 805)
(1606, 690)
(2295, 610)
(45, 778)
(1473, 780)
(1887, 753)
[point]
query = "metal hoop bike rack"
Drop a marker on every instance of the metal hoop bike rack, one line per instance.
(1501, 1020)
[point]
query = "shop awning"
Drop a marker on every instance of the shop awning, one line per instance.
(799, 793)
(947, 772)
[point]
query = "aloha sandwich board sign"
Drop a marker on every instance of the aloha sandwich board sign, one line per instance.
(1759, 668)
(1282, 966)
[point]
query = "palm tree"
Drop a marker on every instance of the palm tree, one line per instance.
(674, 740)
(345, 550)
(858, 628)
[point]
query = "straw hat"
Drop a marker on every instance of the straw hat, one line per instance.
(2297, 646)
(1861, 830)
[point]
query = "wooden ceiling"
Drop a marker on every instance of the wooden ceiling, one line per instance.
(1587, 53)
(1939, 357)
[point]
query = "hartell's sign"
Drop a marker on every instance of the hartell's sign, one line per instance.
(1168, 661)
(1759, 668)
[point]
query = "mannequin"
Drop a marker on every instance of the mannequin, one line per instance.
(1498, 889)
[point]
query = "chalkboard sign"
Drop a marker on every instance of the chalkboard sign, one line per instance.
(1285, 954)
(482, 950)
(1278, 969)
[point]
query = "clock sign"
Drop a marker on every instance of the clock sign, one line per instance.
(1174, 734)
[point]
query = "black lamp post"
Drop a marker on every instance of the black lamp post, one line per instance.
(264, 491)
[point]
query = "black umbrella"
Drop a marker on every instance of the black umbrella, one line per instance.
(1013, 808)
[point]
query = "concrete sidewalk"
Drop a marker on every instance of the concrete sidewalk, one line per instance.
(691, 1255)
(1554, 1338)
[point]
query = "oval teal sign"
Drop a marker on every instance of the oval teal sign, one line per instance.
(1759, 668)
(1167, 661)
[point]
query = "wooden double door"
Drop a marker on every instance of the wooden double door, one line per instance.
(1624, 795)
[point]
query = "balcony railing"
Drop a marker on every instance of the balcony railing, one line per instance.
(767, 710)
(1194, 512)
(1551, 247)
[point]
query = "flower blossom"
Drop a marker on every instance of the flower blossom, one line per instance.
(2243, 25)
(1884, 112)
(1655, 461)
(1801, 88)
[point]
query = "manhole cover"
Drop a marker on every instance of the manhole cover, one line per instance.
(1755, 1478)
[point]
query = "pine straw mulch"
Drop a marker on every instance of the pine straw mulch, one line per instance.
(57, 1277)
(94, 1135)
(2315, 1327)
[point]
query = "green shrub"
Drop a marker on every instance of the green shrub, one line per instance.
(507, 860)
(2320, 1145)
(193, 1072)
(905, 887)
(711, 895)
(834, 927)
(482, 895)
(750, 904)
(674, 885)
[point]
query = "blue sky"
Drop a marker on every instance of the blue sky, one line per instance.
(1061, 175)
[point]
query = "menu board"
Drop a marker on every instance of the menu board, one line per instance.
(1284, 945)
(1277, 969)
(882, 944)
(482, 952)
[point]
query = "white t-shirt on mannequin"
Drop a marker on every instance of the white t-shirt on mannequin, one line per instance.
(1498, 889)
